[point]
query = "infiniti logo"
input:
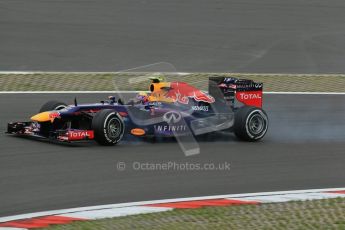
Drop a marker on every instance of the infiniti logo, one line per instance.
(172, 117)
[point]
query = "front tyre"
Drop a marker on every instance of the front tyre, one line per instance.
(251, 123)
(52, 105)
(108, 127)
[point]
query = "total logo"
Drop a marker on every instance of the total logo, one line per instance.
(250, 96)
(80, 135)
(253, 98)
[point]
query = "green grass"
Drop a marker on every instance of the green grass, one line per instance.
(316, 214)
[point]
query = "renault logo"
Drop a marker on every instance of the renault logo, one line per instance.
(172, 117)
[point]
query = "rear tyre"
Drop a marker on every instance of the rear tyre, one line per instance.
(251, 123)
(108, 127)
(52, 105)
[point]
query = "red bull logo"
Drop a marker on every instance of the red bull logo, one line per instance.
(54, 115)
(182, 92)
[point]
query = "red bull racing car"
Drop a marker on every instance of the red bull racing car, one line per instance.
(168, 109)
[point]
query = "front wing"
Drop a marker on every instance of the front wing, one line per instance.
(33, 129)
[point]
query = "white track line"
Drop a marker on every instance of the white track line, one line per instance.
(64, 92)
(119, 72)
(10, 228)
(307, 93)
(117, 212)
(132, 71)
(132, 91)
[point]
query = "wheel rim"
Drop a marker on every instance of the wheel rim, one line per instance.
(114, 128)
(256, 124)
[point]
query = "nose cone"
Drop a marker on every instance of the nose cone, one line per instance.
(45, 116)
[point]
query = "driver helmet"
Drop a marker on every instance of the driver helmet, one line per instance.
(157, 78)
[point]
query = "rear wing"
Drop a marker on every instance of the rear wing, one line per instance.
(230, 89)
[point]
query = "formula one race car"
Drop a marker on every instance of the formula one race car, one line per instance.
(168, 109)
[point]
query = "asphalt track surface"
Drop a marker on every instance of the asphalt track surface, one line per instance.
(303, 149)
(295, 36)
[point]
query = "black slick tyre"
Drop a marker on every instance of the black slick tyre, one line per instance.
(108, 127)
(52, 105)
(251, 123)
